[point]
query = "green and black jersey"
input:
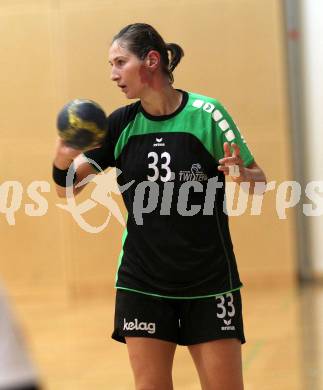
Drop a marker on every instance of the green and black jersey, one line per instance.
(177, 242)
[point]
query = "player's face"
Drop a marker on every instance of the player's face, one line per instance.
(127, 71)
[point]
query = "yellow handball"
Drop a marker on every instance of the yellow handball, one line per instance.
(82, 124)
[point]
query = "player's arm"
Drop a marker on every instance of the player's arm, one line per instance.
(66, 156)
(232, 165)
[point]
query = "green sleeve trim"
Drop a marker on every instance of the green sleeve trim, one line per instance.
(228, 131)
(248, 162)
(122, 140)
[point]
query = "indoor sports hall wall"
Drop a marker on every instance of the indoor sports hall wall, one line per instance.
(56, 50)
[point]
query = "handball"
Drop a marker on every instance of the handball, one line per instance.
(82, 124)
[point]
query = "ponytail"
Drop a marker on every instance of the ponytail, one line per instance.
(176, 54)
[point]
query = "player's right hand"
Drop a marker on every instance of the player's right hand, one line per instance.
(65, 155)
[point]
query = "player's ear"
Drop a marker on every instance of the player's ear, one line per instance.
(152, 60)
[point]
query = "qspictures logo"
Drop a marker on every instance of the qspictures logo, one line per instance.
(147, 193)
(106, 185)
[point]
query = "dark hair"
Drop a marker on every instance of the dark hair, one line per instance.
(141, 38)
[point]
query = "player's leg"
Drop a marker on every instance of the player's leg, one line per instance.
(151, 361)
(149, 326)
(212, 328)
(219, 364)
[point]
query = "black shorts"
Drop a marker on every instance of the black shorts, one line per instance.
(181, 321)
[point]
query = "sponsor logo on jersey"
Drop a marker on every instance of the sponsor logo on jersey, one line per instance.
(159, 142)
(228, 328)
(228, 325)
(195, 174)
(136, 325)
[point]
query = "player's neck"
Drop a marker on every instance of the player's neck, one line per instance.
(161, 101)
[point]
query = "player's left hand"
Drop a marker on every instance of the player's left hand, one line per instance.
(231, 164)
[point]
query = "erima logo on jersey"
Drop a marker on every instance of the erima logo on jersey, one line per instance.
(218, 118)
(228, 328)
(159, 142)
(228, 325)
(195, 174)
(136, 325)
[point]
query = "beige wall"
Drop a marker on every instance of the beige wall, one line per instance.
(56, 50)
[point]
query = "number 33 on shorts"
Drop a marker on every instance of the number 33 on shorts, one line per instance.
(225, 306)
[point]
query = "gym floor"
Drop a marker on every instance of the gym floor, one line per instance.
(70, 341)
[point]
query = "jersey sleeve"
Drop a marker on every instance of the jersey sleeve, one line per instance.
(227, 131)
(103, 157)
